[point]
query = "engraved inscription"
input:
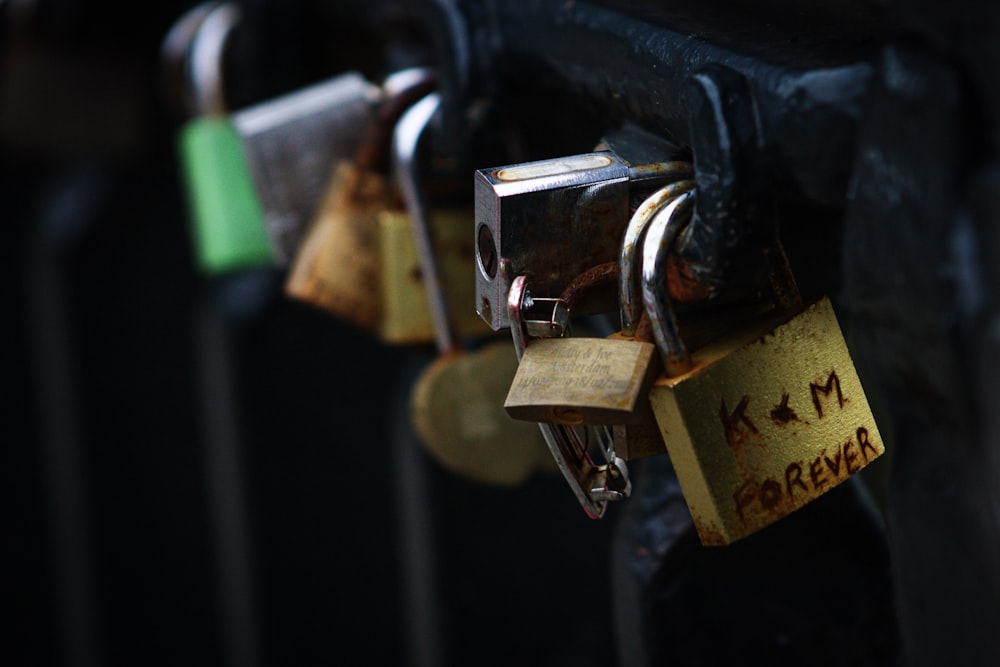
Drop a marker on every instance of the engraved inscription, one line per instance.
(805, 479)
(782, 413)
(734, 423)
(590, 367)
(832, 383)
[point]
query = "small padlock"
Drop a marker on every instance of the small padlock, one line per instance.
(590, 381)
(761, 420)
(593, 484)
(405, 316)
(595, 381)
(336, 266)
(227, 222)
(454, 405)
(456, 410)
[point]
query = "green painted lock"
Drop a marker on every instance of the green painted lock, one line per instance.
(227, 221)
(225, 216)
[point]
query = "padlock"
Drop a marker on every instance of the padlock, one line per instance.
(589, 381)
(554, 219)
(359, 259)
(456, 410)
(454, 405)
(551, 219)
(336, 266)
(227, 222)
(405, 315)
(593, 484)
(596, 381)
(764, 418)
(291, 144)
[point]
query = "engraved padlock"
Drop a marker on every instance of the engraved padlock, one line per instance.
(763, 419)
(571, 445)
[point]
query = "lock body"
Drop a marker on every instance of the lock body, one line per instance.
(406, 316)
(550, 220)
(593, 381)
(769, 418)
(292, 143)
(227, 222)
(336, 267)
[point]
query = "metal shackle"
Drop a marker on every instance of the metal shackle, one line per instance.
(629, 291)
(656, 249)
(407, 136)
(204, 71)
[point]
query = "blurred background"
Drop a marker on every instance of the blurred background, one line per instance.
(200, 469)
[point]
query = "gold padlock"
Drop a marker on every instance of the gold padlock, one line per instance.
(456, 410)
(762, 420)
(595, 381)
(405, 314)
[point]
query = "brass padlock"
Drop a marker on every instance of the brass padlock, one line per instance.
(456, 410)
(593, 484)
(594, 381)
(405, 315)
(763, 419)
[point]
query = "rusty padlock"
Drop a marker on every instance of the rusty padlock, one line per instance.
(337, 266)
(763, 419)
(359, 260)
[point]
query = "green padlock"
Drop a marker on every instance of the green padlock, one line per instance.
(225, 214)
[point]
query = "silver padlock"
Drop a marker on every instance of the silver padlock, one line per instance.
(551, 220)
(291, 144)
(554, 219)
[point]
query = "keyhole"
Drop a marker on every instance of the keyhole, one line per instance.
(487, 252)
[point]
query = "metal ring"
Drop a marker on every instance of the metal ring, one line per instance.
(629, 293)
(656, 250)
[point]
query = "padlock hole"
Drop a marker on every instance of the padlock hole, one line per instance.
(486, 252)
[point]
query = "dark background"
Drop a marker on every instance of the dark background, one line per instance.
(107, 460)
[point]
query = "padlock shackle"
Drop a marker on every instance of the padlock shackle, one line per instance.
(399, 91)
(656, 249)
(629, 291)
(174, 52)
(405, 148)
(205, 59)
